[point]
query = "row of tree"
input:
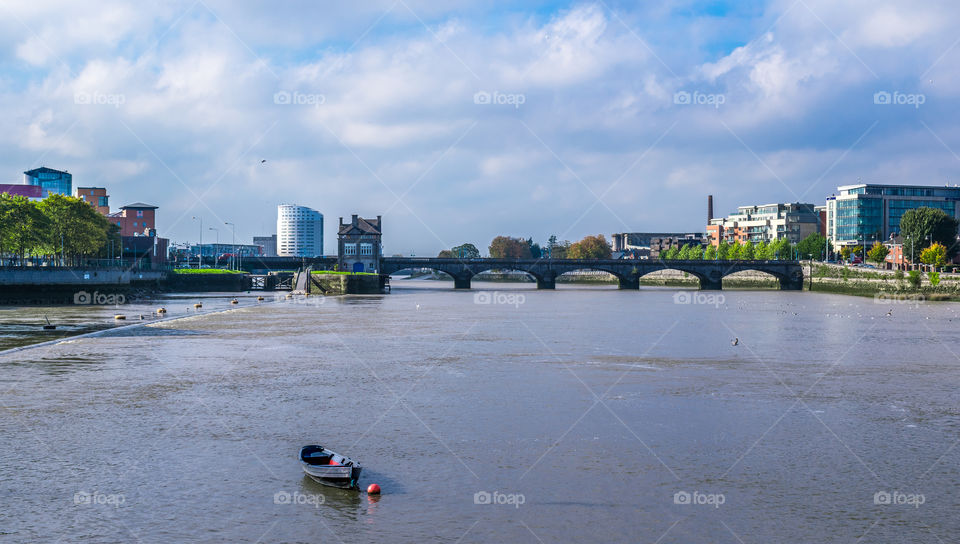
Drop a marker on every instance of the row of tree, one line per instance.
(509, 247)
(810, 247)
(61, 227)
(929, 233)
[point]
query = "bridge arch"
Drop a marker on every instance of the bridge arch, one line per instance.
(701, 278)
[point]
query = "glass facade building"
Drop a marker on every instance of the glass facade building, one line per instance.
(866, 213)
(50, 180)
(299, 231)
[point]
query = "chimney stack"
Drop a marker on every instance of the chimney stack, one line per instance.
(354, 219)
(709, 208)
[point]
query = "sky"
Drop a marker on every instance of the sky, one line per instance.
(467, 120)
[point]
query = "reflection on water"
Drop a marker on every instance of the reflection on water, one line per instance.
(596, 405)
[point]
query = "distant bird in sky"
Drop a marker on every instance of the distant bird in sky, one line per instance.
(735, 342)
(263, 161)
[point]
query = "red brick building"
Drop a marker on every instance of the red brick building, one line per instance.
(135, 219)
(96, 197)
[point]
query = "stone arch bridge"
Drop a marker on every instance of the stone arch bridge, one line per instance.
(628, 272)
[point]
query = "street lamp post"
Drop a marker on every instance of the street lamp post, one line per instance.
(216, 247)
(200, 249)
(233, 257)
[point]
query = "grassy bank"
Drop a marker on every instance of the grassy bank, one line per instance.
(205, 271)
(342, 273)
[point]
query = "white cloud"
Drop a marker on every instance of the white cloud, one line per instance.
(203, 103)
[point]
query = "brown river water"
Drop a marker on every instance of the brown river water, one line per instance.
(500, 414)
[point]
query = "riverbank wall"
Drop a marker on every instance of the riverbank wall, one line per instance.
(330, 284)
(76, 286)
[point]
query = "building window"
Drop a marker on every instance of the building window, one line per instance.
(349, 249)
(366, 249)
(139, 213)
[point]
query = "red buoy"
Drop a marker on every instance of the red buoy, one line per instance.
(373, 489)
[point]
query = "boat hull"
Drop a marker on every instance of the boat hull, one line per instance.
(342, 477)
(329, 467)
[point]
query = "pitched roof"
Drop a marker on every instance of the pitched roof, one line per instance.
(139, 206)
(363, 226)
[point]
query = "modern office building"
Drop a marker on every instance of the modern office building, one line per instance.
(96, 197)
(867, 213)
(268, 245)
(50, 180)
(299, 231)
(793, 221)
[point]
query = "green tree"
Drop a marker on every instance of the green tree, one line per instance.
(591, 247)
(762, 251)
(845, 252)
(734, 252)
(446, 254)
(684, 253)
(914, 278)
(710, 254)
(557, 249)
(921, 226)
(812, 246)
(696, 253)
(782, 249)
(723, 250)
(670, 254)
(535, 251)
(25, 227)
(747, 252)
(935, 255)
(506, 247)
(878, 253)
(934, 278)
(466, 251)
(75, 228)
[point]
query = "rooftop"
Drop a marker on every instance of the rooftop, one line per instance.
(139, 206)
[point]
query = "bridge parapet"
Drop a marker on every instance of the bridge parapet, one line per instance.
(627, 271)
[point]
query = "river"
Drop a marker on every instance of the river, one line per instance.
(500, 414)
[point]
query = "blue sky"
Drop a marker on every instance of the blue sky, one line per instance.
(602, 116)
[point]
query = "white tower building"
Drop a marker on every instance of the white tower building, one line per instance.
(299, 231)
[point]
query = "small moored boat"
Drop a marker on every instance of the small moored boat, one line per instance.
(330, 468)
